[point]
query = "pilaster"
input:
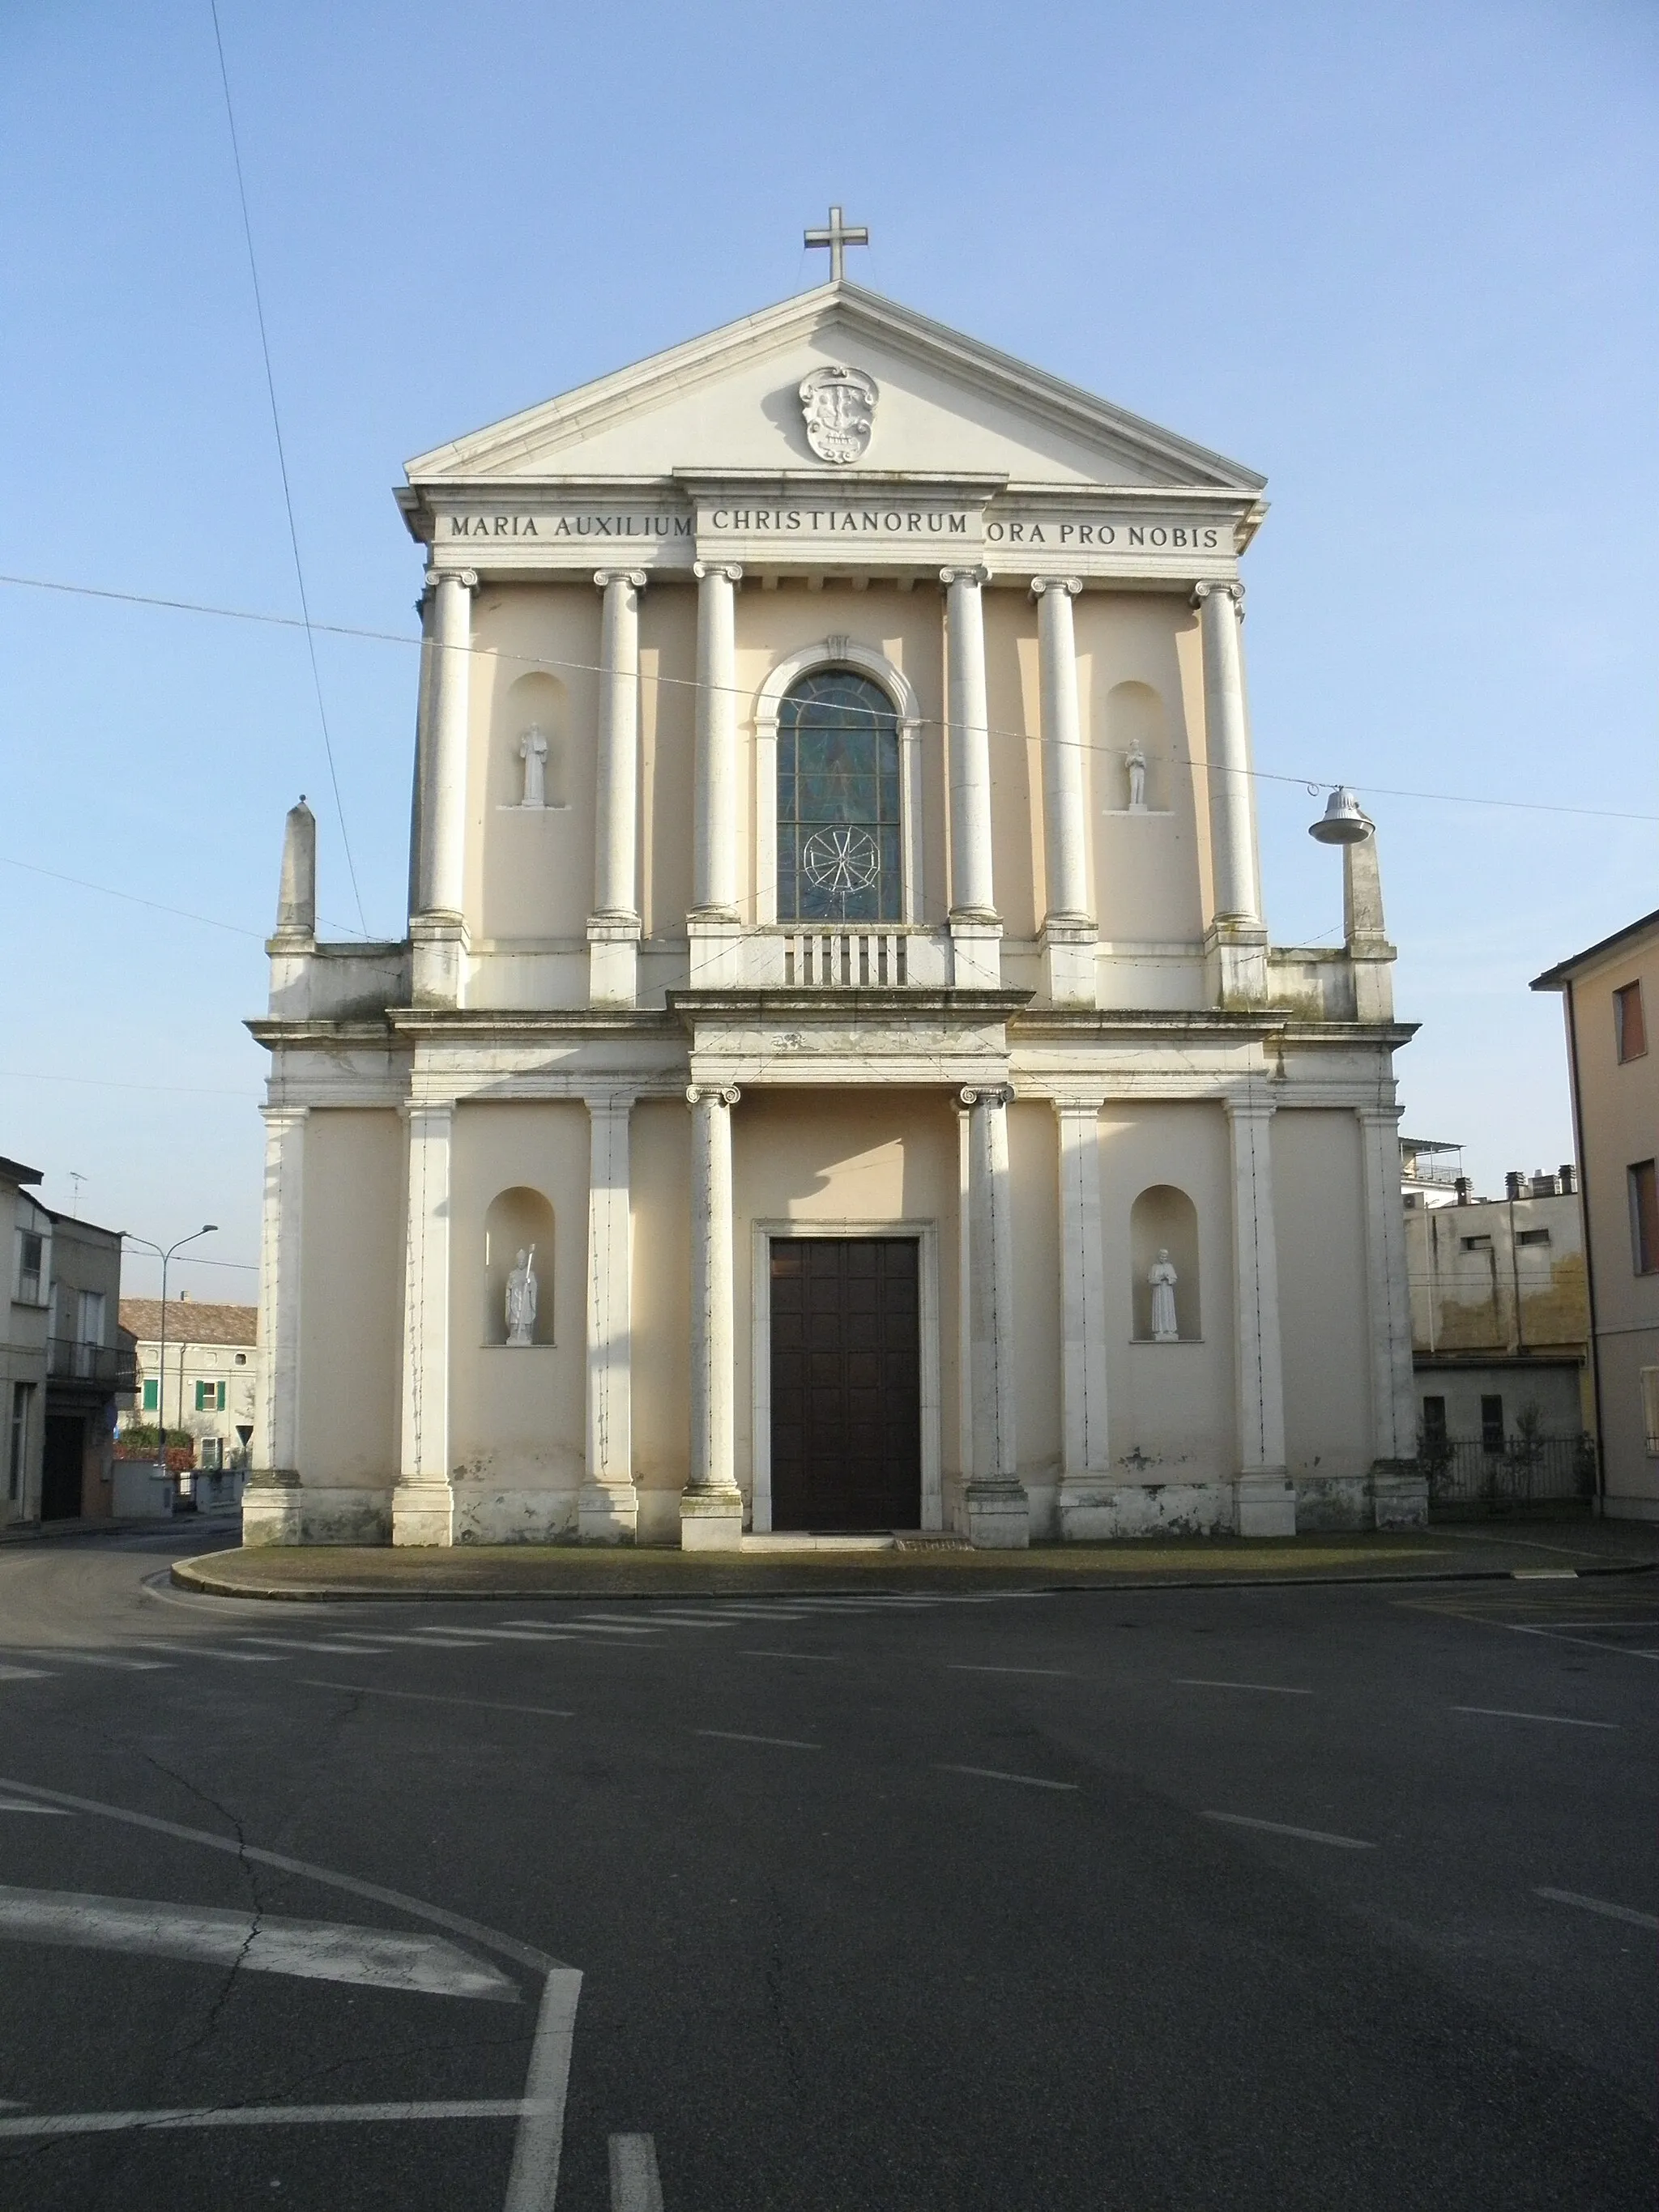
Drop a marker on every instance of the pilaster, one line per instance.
(1086, 1460)
(438, 932)
(1265, 1503)
(613, 929)
(609, 1508)
(1399, 1492)
(711, 1504)
(1068, 928)
(999, 1513)
(1235, 944)
(976, 926)
(423, 1504)
(271, 1500)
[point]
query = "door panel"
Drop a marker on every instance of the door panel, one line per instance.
(846, 1383)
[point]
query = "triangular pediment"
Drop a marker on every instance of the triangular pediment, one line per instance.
(730, 400)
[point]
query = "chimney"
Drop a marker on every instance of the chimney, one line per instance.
(1569, 1179)
(296, 901)
(1515, 1184)
(1465, 1190)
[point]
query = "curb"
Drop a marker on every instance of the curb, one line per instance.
(190, 1575)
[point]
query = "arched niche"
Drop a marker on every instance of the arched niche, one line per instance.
(1136, 722)
(517, 1220)
(1163, 1219)
(537, 702)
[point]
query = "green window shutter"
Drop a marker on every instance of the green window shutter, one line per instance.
(202, 1391)
(220, 1407)
(150, 1394)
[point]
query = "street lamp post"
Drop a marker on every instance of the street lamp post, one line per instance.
(207, 1229)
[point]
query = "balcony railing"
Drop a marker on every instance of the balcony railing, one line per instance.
(106, 1367)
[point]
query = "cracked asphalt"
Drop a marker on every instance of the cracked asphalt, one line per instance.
(1276, 1897)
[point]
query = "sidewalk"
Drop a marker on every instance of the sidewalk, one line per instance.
(591, 1572)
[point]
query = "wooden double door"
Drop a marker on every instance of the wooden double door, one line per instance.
(846, 1383)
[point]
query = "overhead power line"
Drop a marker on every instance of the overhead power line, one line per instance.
(543, 660)
(281, 463)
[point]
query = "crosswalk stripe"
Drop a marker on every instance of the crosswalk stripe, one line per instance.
(304, 1643)
(105, 1659)
(209, 1651)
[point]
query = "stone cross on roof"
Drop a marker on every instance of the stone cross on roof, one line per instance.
(837, 237)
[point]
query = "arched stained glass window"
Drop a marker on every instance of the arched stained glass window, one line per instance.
(838, 801)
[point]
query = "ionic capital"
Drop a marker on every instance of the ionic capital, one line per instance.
(975, 576)
(636, 578)
(697, 1094)
(997, 1094)
(1070, 585)
(1234, 591)
(730, 569)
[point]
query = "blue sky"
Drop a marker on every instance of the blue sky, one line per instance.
(1401, 259)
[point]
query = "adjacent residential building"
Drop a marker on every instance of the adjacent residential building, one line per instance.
(209, 1385)
(1610, 994)
(63, 1371)
(1500, 1327)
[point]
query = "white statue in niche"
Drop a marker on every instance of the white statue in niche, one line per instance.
(1135, 762)
(521, 1299)
(1163, 1278)
(533, 751)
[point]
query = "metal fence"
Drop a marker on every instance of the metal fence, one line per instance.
(112, 1367)
(1539, 1471)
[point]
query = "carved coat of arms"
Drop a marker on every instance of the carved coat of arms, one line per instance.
(840, 408)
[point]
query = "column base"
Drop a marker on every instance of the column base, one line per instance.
(271, 1507)
(607, 1513)
(1235, 963)
(711, 1519)
(975, 953)
(422, 1513)
(1263, 1505)
(1068, 963)
(613, 963)
(437, 946)
(1400, 1495)
(716, 952)
(999, 1516)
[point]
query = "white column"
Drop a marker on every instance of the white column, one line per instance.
(1227, 749)
(270, 1506)
(1265, 1503)
(1068, 928)
(424, 1505)
(613, 930)
(439, 931)
(711, 1505)
(609, 1506)
(999, 1512)
(1086, 1460)
(419, 801)
(969, 748)
(715, 867)
(1399, 1493)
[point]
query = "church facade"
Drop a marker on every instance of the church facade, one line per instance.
(836, 1076)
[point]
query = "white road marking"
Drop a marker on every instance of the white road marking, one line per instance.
(1282, 1828)
(209, 1651)
(534, 2181)
(1652, 1621)
(1202, 1682)
(595, 1624)
(23, 1675)
(965, 1667)
(302, 1643)
(434, 1639)
(1588, 1643)
(635, 2185)
(783, 1742)
(28, 1805)
(995, 1774)
(1599, 1905)
(105, 1659)
(818, 1658)
(311, 1950)
(1557, 1720)
(165, 2119)
(770, 1612)
(520, 1635)
(677, 1621)
(1543, 1574)
(422, 1698)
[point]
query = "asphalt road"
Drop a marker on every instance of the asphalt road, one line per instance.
(1267, 1897)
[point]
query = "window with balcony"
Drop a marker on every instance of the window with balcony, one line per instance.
(1630, 1027)
(839, 810)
